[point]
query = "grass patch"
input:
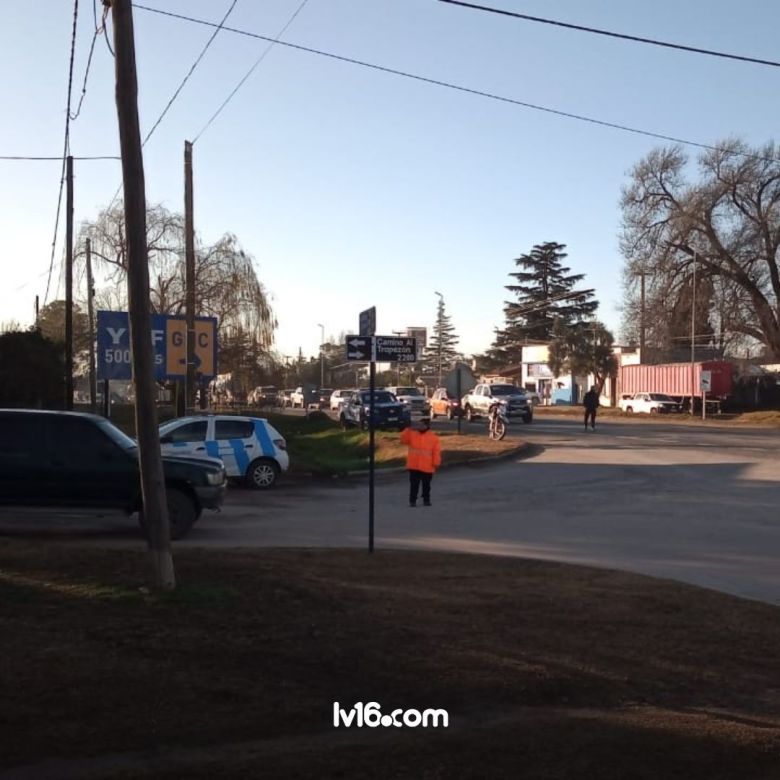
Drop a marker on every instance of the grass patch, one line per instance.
(547, 670)
(333, 451)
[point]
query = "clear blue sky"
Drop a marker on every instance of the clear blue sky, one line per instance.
(354, 188)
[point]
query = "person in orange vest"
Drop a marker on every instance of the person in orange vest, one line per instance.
(422, 459)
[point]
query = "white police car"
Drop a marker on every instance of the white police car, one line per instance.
(250, 447)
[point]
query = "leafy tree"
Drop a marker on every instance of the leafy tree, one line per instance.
(441, 351)
(51, 323)
(545, 294)
(729, 217)
(32, 371)
(581, 349)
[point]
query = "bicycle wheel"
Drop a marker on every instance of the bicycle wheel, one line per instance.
(499, 429)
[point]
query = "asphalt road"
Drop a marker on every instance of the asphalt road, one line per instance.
(697, 504)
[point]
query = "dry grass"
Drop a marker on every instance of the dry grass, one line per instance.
(547, 670)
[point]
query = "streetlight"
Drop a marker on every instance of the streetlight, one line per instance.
(322, 355)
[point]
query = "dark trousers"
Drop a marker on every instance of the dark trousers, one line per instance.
(415, 478)
(590, 413)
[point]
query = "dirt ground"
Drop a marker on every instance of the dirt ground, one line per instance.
(546, 670)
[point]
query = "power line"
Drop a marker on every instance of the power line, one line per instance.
(610, 34)
(461, 88)
(57, 159)
(250, 71)
(66, 145)
(186, 78)
(98, 30)
(191, 70)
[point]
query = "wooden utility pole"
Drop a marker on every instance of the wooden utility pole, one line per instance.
(91, 315)
(152, 477)
(189, 251)
(69, 285)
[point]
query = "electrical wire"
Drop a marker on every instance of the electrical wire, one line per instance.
(254, 67)
(219, 26)
(99, 28)
(190, 71)
(66, 145)
(610, 34)
(27, 158)
(461, 88)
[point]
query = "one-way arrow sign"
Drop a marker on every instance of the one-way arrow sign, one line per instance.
(360, 348)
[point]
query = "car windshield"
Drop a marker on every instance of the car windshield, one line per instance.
(118, 437)
(661, 397)
(407, 391)
(504, 390)
(380, 397)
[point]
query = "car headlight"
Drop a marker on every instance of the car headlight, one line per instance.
(215, 477)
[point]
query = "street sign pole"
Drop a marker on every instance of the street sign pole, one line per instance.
(371, 458)
(370, 348)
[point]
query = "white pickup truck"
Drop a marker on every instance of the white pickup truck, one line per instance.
(649, 403)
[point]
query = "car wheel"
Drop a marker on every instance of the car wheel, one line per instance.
(653, 410)
(363, 424)
(469, 414)
(262, 474)
(450, 415)
(629, 410)
(433, 415)
(182, 514)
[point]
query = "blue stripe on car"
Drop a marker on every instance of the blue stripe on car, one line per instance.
(212, 449)
(266, 445)
(242, 458)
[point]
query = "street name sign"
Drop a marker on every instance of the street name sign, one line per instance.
(381, 349)
(395, 349)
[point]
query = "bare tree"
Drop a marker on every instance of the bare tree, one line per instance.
(226, 282)
(728, 222)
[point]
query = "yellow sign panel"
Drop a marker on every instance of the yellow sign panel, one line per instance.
(205, 343)
(176, 346)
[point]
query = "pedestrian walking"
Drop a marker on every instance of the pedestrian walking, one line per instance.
(591, 404)
(422, 459)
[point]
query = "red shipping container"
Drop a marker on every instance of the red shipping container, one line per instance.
(675, 379)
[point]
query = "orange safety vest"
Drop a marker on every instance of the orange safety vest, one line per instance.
(424, 450)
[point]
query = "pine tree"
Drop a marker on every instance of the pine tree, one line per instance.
(441, 351)
(545, 295)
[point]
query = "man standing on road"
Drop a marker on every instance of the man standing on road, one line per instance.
(422, 460)
(591, 403)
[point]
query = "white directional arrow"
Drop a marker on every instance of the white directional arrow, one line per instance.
(357, 343)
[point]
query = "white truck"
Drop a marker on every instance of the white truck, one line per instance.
(649, 403)
(483, 396)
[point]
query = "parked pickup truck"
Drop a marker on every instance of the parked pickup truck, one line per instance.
(479, 400)
(649, 403)
(82, 462)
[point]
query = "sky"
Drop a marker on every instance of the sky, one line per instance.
(354, 188)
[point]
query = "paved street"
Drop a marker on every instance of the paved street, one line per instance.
(694, 504)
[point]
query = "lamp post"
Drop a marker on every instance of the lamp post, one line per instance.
(322, 355)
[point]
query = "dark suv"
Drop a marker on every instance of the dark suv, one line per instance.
(389, 412)
(82, 461)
